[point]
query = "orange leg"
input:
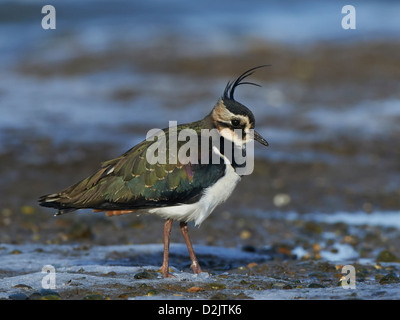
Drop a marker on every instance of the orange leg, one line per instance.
(195, 265)
(165, 266)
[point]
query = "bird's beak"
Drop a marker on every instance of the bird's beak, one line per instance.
(260, 139)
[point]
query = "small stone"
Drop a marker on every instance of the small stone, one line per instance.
(284, 250)
(219, 296)
(389, 278)
(281, 199)
(316, 285)
(95, 296)
(51, 297)
(48, 292)
(245, 234)
(312, 227)
(249, 248)
(144, 275)
(195, 289)
(22, 286)
(278, 285)
(316, 247)
(18, 296)
(216, 286)
(378, 266)
(27, 210)
(318, 274)
(243, 296)
(255, 286)
(151, 293)
(387, 256)
(35, 296)
(287, 287)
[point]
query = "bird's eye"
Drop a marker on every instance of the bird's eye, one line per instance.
(235, 122)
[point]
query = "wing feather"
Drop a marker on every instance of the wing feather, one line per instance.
(131, 182)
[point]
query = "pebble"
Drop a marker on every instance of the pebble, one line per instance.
(216, 286)
(35, 296)
(43, 294)
(18, 296)
(387, 256)
(316, 285)
(389, 278)
(219, 296)
(145, 275)
(51, 297)
(195, 289)
(245, 234)
(281, 199)
(96, 296)
(22, 286)
(278, 285)
(48, 292)
(28, 210)
(151, 293)
(124, 295)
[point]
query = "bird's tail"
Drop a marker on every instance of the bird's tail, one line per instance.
(54, 201)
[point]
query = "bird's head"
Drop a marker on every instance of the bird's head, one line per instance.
(233, 120)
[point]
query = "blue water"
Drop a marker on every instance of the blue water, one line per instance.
(79, 108)
(213, 24)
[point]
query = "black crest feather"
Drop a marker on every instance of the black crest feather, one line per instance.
(231, 86)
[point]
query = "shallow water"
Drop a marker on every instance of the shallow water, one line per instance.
(80, 272)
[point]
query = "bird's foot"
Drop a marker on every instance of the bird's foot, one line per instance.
(195, 267)
(165, 271)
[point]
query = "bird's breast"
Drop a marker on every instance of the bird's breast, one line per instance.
(211, 197)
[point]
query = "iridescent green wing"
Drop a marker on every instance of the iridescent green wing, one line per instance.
(132, 182)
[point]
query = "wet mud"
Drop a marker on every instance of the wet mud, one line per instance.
(330, 112)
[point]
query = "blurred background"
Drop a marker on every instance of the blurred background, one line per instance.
(70, 98)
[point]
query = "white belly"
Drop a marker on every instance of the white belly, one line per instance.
(214, 195)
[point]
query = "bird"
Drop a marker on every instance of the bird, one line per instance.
(182, 191)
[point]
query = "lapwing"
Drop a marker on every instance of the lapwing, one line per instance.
(184, 191)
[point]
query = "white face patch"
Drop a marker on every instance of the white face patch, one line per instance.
(223, 121)
(238, 136)
(232, 136)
